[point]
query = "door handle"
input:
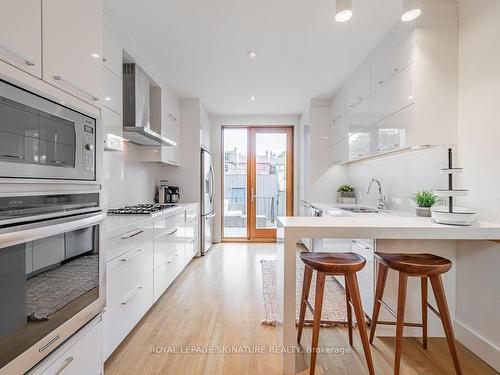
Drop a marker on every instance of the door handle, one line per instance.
(252, 196)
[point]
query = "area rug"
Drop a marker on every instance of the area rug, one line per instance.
(334, 311)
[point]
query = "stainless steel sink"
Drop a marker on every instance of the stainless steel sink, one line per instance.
(361, 210)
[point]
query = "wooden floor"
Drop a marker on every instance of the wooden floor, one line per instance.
(216, 305)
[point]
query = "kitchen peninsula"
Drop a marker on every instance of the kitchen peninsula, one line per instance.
(391, 233)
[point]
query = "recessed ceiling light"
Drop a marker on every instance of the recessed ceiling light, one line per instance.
(95, 56)
(107, 98)
(343, 11)
(252, 98)
(252, 54)
(411, 9)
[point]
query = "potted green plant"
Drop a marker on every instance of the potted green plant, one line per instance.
(346, 194)
(424, 200)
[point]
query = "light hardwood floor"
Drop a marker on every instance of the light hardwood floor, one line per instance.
(217, 303)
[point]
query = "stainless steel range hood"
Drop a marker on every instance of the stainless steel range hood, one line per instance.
(136, 109)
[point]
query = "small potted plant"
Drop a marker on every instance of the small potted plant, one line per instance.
(424, 200)
(346, 194)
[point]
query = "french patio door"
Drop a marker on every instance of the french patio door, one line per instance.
(270, 179)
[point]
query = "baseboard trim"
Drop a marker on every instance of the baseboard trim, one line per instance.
(478, 345)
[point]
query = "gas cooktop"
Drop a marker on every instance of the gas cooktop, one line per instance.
(141, 209)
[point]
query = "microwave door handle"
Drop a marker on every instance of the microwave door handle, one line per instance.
(43, 230)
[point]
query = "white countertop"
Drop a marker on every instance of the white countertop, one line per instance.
(385, 226)
(118, 224)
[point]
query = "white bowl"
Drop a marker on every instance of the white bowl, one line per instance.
(459, 216)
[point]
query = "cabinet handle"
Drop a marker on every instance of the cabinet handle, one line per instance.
(173, 232)
(172, 117)
(132, 295)
(65, 364)
(71, 84)
(132, 234)
(361, 245)
(12, 156)
(104, 59)
(380, 82)
(27, 60)
(395, 70)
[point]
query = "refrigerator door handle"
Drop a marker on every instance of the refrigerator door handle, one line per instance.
(212, 184)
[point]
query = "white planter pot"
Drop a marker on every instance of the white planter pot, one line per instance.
(423, 211)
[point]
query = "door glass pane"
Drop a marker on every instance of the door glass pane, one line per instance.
(235, 182)
(270, 194)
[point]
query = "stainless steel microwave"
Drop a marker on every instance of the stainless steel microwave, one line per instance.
(40, 139)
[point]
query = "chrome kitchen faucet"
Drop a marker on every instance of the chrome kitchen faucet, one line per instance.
(381, 199)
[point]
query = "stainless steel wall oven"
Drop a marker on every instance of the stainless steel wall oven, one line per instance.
(41, 139)
(51, 272)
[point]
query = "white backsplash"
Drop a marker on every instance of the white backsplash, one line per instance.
(400, 175)
(128, 182)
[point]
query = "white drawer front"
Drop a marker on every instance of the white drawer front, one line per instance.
(166, 272)
(165, 224)
(83, 358)
(120, 319)
(126, 271)
(165, 247)
(119, 245)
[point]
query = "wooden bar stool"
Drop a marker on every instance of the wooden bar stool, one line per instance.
(340, 264)
(425, 266)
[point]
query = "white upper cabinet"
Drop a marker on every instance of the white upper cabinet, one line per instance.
(411, 96)
(339, 130)
(392, 58)
(72, 47)
(393, 96)
(112, 53)
(358, 120)
(358, 89)
(21, 35)
(112, 91)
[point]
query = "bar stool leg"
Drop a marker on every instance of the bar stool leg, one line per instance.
(308, 272)
(349, 311)
(437, 287)
(352, 283)
(403, 279)
(318, 305)
(423, 284)
(379, 294)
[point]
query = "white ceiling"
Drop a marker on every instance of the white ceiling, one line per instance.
(200, 47)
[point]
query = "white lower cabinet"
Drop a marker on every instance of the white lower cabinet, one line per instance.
(122, 317)
(126, 272)
(80, 355)
(142, 263)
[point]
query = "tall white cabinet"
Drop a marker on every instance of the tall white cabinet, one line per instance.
(72, 47)
(404, 95)
(21, 35)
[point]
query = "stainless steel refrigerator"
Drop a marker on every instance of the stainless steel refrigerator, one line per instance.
(207, 201)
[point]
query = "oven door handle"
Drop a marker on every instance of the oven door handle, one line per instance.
(48, 229)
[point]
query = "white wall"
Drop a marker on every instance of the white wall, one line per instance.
(217, 121)
(478, 275)
(400, 175)
(128, 182)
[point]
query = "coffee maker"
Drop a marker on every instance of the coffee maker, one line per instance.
(168, 194)
(173, 195)
(162, 192)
